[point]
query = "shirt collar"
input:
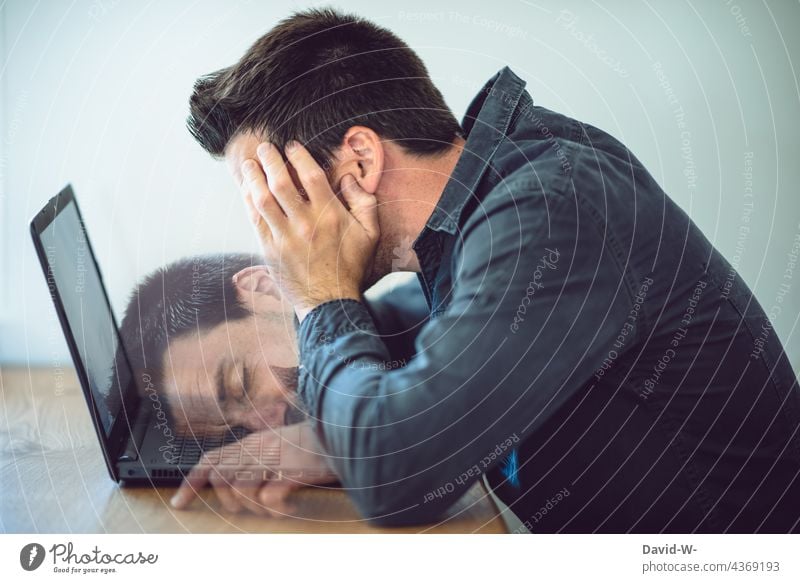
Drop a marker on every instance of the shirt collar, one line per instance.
(485, 125)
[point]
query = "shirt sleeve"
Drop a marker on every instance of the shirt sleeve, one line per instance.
(538, 299)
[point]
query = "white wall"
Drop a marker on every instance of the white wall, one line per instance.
(95, 92)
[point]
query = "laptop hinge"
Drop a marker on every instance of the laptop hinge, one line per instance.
(136, 438)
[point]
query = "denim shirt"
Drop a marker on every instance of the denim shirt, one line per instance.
(584, 346)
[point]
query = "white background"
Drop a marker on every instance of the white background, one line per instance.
(402, 558)
(95, 93)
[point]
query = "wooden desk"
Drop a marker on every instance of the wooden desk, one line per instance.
(53, 479)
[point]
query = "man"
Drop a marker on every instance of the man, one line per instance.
(217, 341)
(587, 350)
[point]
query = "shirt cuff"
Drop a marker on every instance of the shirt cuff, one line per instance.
(321, 327)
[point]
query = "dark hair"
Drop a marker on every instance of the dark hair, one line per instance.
(313, 76)
(191, 294)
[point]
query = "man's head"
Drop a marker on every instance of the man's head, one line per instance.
(355, 95)
(216, 341)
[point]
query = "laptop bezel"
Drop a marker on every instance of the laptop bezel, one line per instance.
(113, 445)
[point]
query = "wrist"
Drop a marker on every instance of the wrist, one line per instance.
(302, 310)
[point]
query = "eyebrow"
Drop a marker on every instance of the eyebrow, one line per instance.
(221, 381)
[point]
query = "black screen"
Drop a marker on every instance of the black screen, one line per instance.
(91, 324)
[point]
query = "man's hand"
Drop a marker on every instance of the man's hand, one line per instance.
(274, 462)
(316, 249)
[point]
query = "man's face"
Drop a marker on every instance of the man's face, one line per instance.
(238, 373)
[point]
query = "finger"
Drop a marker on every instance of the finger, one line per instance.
(222, 488)
(363, 205)
(260, 225)
(246, 492)
(274, 497)
(310, 174)
(250, 208)
(191, 484)
(279, 180)
(256, 183)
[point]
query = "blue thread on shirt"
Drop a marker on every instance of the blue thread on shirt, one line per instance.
(510, 468)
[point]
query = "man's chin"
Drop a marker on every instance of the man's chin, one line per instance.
(259, 418)
(266, 417)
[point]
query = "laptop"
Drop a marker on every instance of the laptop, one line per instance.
(137, 444)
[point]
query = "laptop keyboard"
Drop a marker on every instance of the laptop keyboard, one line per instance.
(189, 448)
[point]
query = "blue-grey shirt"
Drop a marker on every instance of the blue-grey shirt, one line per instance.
(580, 342)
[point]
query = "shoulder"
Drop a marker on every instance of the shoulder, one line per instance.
(527, 167)
(520, 201)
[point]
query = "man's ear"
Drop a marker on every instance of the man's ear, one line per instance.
(363, 156)
(254, 285)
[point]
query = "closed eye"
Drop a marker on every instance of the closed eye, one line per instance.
(221, 383)
(246, 380)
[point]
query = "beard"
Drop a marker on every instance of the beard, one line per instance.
(382, 264)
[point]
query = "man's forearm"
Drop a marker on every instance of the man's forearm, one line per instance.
(394, 440)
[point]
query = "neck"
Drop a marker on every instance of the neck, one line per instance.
(426, 178)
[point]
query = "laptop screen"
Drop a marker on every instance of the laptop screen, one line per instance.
(72, 270)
